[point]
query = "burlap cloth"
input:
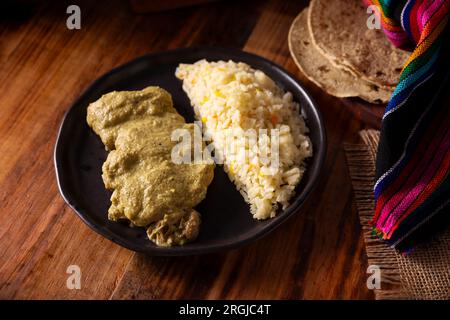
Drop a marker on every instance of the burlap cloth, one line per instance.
(425, 273)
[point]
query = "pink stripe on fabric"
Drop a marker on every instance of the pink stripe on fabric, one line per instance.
(395, 35)
(428, 12)
(422, 7)
(398, 39)
(417, 187)
(395, 200)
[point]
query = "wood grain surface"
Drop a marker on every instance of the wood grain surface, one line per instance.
(317, 254)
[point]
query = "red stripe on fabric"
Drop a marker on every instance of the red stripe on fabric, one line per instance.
(413, 18)
(431, 17)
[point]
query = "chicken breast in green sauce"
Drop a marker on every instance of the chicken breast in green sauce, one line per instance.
(149, 189)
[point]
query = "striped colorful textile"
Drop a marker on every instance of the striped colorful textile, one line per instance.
(412, 188)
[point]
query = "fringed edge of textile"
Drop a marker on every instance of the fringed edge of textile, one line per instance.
(361, 164)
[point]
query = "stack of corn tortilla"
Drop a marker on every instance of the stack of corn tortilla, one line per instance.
(333, 46)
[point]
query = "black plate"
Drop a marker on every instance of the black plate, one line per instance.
(226, 219)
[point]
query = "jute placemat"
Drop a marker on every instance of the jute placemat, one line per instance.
(425, 273)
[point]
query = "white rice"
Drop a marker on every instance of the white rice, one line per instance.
(230, 95)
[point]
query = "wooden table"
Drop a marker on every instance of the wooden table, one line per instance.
(317, 254)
